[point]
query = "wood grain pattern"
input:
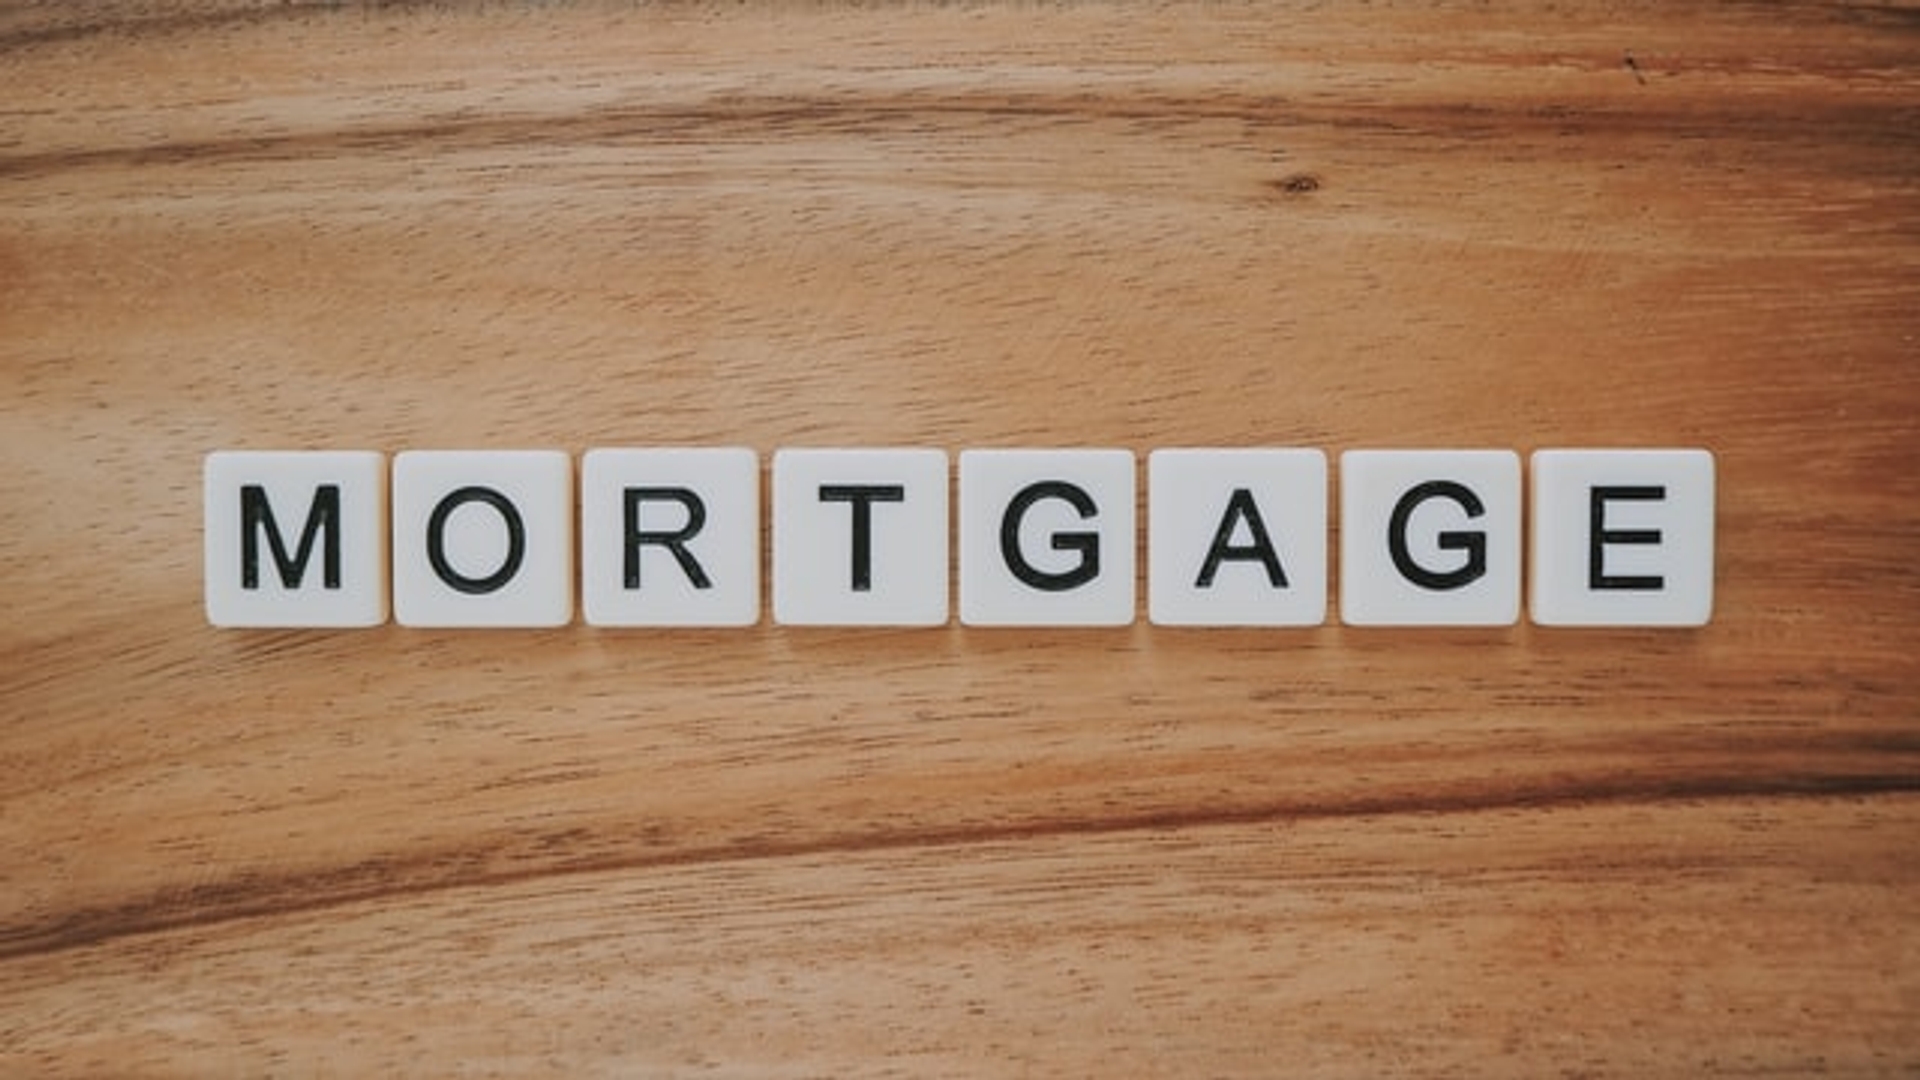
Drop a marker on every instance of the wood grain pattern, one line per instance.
(960, 852)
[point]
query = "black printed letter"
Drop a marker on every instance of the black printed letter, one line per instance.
(1241, 505)
(1597, 576)
(863, 496)
(322, 515)
(1086, 543)
(674, 540)
(437, 540)
(1473, 543)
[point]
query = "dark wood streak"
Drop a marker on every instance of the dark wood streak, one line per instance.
(1884, 126)
(68, 23)
(255, 896)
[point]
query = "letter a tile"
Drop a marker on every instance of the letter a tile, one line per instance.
(1237, 537)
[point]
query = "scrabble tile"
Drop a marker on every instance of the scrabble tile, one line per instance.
(670, 537)
(1046, 537)
(1429, 537)
(483, 538)
(1622, 537)
(1237, 537)
(295, 538)
(860, 537)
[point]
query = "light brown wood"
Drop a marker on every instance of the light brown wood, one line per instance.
(960, 852)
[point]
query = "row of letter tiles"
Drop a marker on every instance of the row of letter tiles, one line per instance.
(1236, 537)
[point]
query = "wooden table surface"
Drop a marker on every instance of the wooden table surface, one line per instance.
(965, 852)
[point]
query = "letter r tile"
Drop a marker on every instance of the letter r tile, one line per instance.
(670, 537)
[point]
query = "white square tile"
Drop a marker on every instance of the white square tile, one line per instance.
(1046, 537)
(670, 537)
(483, 538)
(1622, 537)
(860, 537)
(1237, 537)
(295, 538)
(1429, 537)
